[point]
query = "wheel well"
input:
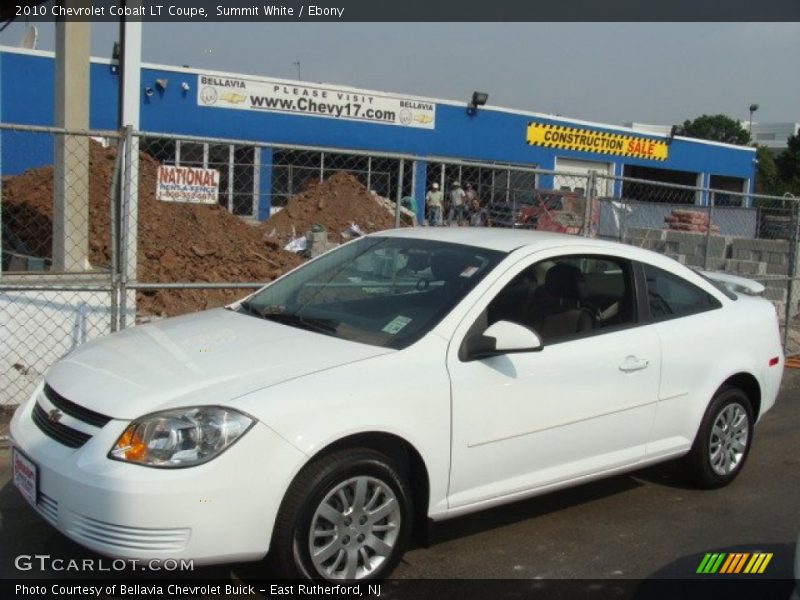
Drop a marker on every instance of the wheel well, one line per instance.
(749, 385)
(405, 455)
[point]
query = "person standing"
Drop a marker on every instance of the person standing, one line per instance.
(456, 212)
(469, 195)
(477, 214)
(433, 202)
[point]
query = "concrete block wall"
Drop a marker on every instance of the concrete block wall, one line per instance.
(694, 246)
(774, 253)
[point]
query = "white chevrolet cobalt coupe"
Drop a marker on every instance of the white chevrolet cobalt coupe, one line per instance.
(408, 375)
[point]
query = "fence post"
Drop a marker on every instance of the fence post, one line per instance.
(588, 195)
(399, 193)
(125, 223)
(711, 200)
(513, 211)
(321, 166)
(623, 217)
(2, 132)
(793, 246)
(114, 212)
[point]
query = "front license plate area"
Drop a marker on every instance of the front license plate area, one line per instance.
(25, 475)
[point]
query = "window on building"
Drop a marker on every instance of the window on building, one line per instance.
(294, 171)
(238, 185)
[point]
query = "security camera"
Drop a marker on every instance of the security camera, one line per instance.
(185, 86)
(148, 91)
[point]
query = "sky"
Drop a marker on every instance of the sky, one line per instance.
(660, 73)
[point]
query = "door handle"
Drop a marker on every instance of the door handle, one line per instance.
(632, 364)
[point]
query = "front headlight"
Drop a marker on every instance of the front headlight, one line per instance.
(182, 437)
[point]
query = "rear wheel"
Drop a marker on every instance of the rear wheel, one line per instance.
(347, 516)
(723, 440)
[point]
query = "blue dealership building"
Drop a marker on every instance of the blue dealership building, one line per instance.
(266, 135)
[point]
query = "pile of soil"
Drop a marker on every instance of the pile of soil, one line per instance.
(176, 242)
(28, 210)
(335, 203)
(198, 243)
(689, 220)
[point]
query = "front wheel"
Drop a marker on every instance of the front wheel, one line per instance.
(347, 516)
(723, 440)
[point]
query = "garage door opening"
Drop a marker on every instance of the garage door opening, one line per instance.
(644, 192)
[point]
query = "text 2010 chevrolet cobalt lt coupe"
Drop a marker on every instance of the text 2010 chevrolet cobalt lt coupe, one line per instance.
(412, 374)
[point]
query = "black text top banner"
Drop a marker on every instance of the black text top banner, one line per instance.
(405, 10)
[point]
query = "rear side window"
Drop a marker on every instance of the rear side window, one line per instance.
(670, 296)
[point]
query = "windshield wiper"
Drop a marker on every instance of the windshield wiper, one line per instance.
(326, 326)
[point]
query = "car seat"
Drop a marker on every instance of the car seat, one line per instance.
(557, 308)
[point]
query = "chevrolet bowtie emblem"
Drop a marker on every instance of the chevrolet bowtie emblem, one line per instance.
(55, 415)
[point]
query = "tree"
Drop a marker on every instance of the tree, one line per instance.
(788, 164)
(767, 180)
(718, 128)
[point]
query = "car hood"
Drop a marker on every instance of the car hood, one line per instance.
(210, 357)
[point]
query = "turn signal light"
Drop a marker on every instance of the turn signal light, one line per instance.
(130, 445)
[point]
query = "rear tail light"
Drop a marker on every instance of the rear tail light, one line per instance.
(774, 361)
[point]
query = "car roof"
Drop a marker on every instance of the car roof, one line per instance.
(508, 240)
(499, 238)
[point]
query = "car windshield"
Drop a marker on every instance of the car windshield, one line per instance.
(383, 291)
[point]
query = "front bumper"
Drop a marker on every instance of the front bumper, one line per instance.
(220, 511)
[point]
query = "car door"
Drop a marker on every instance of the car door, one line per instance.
(688, 323)
(581, 405)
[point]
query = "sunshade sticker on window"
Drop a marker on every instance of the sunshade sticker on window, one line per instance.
(395, 325)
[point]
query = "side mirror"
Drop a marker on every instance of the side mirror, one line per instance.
(504, 337)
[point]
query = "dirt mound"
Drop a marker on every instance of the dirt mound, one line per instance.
(199, 243)
(334, 203)
(177, 242)
(28, 208)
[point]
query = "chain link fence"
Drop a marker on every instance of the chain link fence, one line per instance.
(56, 284)
(512, 197)
(136, 226)
(214, 217)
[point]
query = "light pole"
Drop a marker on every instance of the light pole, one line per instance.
(297, 64)
(753, 108)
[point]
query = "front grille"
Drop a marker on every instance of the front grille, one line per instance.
(134, 538)
(61, 433)
(74, 410)
(48, 507)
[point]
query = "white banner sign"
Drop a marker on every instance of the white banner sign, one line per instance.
(314, 100)
(187, 184)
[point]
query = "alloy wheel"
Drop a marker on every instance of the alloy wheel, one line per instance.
(729, 438)
(354, 529)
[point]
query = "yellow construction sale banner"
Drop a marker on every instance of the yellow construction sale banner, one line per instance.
(587, 140)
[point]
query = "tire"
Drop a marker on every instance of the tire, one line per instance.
(359, 505)
(723, 441)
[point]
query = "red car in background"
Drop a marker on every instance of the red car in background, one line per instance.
(547, 210)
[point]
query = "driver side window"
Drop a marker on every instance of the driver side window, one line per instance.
(569, 297)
